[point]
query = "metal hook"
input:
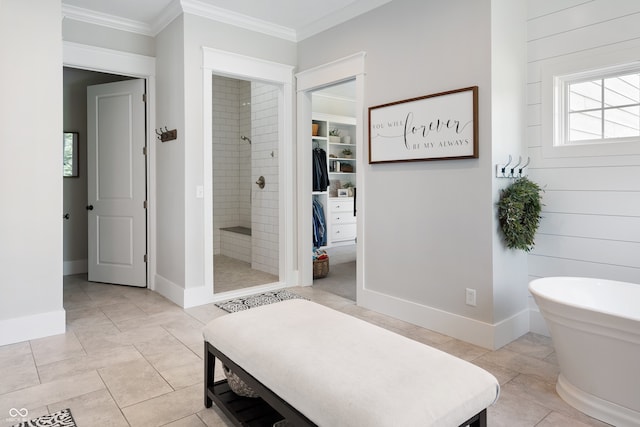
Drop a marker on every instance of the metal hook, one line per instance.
(513, 169)
(504, 168)
(524, 166)
(158, 133)
(165, 129)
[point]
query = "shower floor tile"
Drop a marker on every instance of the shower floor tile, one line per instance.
(230, 274)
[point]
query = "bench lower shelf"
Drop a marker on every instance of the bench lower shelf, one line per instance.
(247, 411)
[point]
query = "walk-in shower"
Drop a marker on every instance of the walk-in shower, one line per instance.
(245, 215)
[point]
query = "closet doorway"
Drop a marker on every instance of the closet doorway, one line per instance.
(335, 217)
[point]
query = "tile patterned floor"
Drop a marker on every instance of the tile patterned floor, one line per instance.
(230, 274)
(132, 358)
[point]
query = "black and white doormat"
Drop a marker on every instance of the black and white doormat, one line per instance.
(251, 301)
(61, 418)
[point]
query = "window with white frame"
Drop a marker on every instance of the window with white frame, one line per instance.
(598, 106)
(590, 105)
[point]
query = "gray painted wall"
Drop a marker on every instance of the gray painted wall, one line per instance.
(430, 228)
(427, 223)
(108, 38)
(30, 170)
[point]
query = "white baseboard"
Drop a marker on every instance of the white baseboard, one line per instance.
(200, 295)
(185, 298)
(75, 267)
(31, 327)
(490, 336)
(510, 329)
(169, 290)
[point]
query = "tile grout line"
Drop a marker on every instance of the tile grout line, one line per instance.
(113, 397)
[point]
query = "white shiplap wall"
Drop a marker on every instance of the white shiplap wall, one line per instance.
(591, 217)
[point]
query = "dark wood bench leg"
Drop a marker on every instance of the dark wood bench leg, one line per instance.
(479, 420)
(209, 368)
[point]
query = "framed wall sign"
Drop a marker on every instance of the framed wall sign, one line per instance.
(441, 126)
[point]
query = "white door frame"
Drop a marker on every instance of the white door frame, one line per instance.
(233, 65)
(348, 68)
(94, 58)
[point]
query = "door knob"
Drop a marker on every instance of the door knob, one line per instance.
(260, 182)
(66, 216)
(90, 207)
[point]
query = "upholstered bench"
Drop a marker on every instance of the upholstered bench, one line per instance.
(316, 366)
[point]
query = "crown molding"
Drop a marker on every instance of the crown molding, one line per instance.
(106, 20)
(204, 10)
(338, 17)
(171, 12)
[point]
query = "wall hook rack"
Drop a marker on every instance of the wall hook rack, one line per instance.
(515, 171)
(166, 134)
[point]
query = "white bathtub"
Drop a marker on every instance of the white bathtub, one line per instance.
(595, 328)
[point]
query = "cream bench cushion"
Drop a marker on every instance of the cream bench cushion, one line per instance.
(340, 370)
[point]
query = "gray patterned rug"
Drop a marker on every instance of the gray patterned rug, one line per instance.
(61, 418)
(251, 301)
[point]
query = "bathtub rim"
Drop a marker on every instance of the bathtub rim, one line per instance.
(537, 293)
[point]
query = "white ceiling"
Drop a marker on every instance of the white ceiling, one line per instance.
(289, 19)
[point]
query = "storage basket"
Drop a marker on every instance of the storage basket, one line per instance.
(236, 385)
(320, 268)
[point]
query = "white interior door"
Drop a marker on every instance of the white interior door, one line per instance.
(116, 183)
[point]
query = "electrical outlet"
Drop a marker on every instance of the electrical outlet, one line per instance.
(471, 297)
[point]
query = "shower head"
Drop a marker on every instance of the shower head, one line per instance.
(244, 138)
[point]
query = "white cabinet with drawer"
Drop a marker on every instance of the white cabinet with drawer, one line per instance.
(342, 226)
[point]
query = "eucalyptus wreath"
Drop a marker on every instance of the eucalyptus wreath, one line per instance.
(519, 213)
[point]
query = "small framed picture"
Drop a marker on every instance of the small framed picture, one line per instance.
(70, 154)
(343, 192)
